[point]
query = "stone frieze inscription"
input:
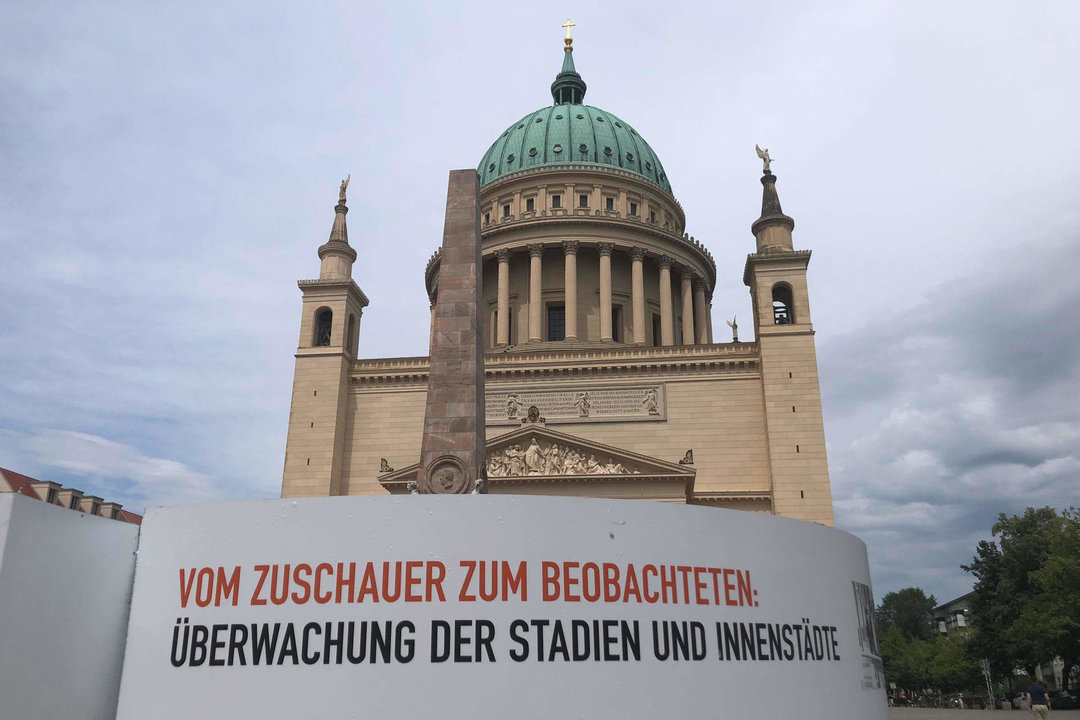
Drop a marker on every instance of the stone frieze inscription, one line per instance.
(577, 404)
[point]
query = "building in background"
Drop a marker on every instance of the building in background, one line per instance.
(55, 494)
(604, 374)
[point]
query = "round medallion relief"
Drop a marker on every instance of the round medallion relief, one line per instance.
(447, 476)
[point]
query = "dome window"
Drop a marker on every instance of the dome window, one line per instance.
(618, 124)
(583, 201)
(630, 157)
(521, 126)
(633, 209)
(532, 152)
(648, 166)
(510, 158)
(583, 148)
(607, 151)
(599, 119)
(557, 149)
(491, 167)
(580, 116)
(556, 201)
(530, 205)
(539, 120)
(558, 117)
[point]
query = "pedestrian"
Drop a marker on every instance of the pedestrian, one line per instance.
(1038, 700)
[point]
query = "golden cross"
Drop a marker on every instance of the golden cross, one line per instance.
(568, 25)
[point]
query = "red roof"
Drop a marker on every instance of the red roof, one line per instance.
(20, 483)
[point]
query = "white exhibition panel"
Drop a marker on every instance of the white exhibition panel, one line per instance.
(600, 609)
(65, 588)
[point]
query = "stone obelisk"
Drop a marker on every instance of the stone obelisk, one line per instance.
(452, 456)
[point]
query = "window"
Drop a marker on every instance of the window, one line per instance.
(529, 205)
(324, 319)
(633, 209)
(783, 312)
(506, 210)
(487, 218)
(114, 512)
(610, 203)
(652, 216)
(95, 508)
(616, 323)
(556, 201)
(556, 322)
(52, 496)
(74, 504)
(583, 200)
(656, 334)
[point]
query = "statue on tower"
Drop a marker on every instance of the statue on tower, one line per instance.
(344, 185)
(764, 155)
(734, 325)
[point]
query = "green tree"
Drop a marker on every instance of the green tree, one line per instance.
(1026, 603)
(909, 610)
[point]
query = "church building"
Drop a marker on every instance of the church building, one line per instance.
(604, 376)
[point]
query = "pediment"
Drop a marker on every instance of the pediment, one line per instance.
(535, 453)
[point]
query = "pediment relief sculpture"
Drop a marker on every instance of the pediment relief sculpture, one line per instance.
(551, 458)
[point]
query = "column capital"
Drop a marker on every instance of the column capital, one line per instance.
(638, 254)
(699, 282)
(536, 249)
(687, 274)
(606, 248)
(665, 262)
(570, 247)
(503, 255)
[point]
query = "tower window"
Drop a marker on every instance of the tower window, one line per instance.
(652, 216)
(556, 201)
(324, 319)
(616, 323)
(783, 313)
(610, 203)
(583, 200)
(506, 210)
(556, 322)
(633, 209)
(529, 205)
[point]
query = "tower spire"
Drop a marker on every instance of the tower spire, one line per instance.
(568, 87)
(773, 228)
(336, 254)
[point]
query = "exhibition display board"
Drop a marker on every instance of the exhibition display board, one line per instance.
(494, 607)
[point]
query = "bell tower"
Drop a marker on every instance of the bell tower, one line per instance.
(329, 337)
(776, 276)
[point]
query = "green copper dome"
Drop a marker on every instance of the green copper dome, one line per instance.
(570, 133)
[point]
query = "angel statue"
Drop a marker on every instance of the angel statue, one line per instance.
(764, 155)
(344, 185)
(734, 328)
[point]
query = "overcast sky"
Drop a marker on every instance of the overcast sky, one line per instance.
(167, 171)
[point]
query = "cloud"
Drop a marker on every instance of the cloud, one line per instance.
(941, 417)
(112, 470)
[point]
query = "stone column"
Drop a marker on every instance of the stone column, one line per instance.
(605, 291)
(638, 278)
(667, 313)
(535, 252)
(708, 319)
(687, 306)
(570, 248)
(700, 329)
(502, 334)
